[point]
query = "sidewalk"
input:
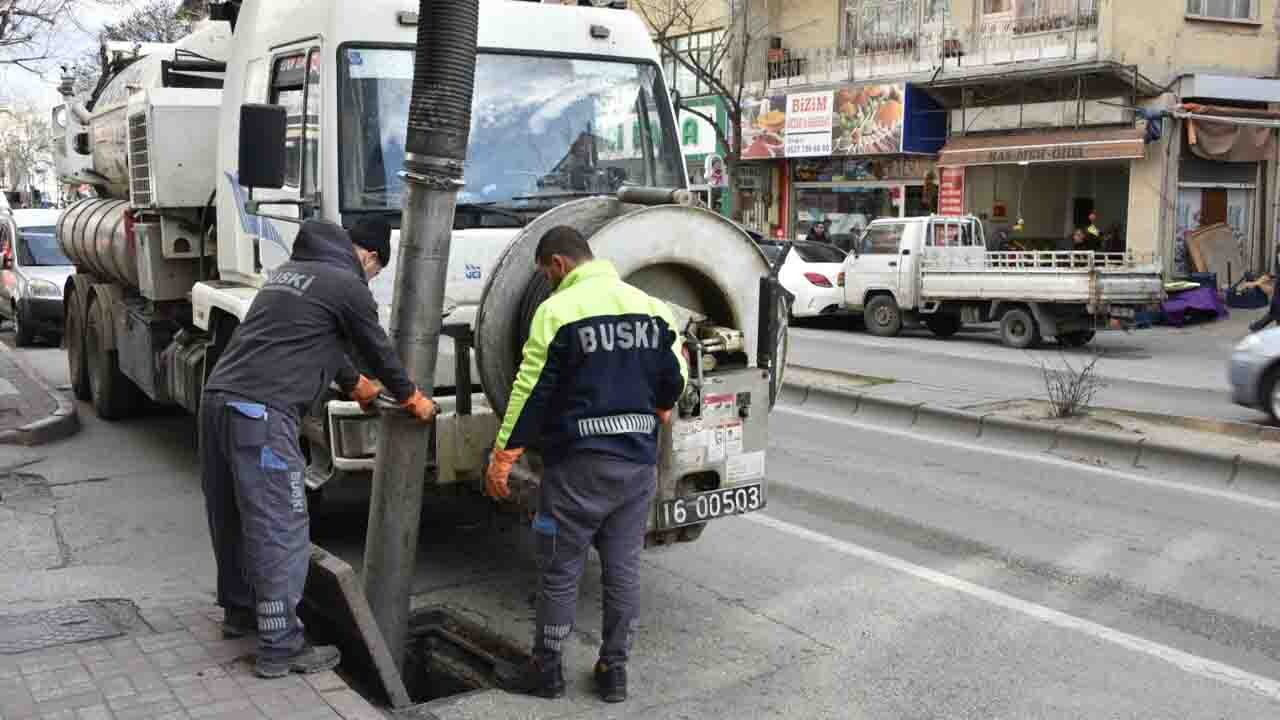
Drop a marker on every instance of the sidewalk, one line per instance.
(177, 666)
(31, 412)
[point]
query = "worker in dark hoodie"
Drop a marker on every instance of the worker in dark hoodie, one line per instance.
(295, 340)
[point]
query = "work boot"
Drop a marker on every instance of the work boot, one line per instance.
(539, 677)
(238, 622)
(611, 681)
(310, 659)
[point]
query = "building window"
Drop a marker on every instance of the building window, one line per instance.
(701, 49)
(1222, 9)
(870, 25)
(1041, 15)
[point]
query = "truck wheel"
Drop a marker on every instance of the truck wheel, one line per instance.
(943, 326)
(114, 395)
(1076, 339)
(23, 333)
(75, 335)
(882, 316)
(1269, 393)
(1018, 329)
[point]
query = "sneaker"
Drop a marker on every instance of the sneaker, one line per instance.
(544, 679)
(238, 622)
(310, 659)
(611, 681)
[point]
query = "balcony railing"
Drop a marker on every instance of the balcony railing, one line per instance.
(1066, 30)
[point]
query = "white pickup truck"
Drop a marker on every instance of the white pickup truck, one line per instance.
(937, 270)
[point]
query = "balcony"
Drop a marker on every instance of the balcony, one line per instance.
(1064, 31)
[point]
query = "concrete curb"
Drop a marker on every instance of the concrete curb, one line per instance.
(1120, 452)
(63, 423)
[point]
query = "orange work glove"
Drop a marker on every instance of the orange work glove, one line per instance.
(365, 392)
(500, 464)
(420, 406)
(664, 416)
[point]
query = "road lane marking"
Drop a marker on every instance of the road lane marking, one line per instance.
(1187, 662)
(1042, 456)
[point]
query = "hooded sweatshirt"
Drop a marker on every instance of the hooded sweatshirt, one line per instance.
(295, 339)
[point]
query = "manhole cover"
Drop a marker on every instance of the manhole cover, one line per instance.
(50, 628)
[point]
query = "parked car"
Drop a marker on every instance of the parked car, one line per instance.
(33, 271)
(810, 271)
(1255, 372)
(937, 270)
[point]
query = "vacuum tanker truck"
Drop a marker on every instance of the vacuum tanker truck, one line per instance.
(572, 125)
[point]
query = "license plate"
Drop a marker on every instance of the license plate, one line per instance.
(701, 507)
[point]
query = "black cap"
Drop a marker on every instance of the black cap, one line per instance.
(373, 234)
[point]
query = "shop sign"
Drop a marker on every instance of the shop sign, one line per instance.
(1061, 146)
(909, 169)
(809, 124)
(697, 136)
(850, 122)
(951, 191)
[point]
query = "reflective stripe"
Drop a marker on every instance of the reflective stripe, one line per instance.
(272, 623)
(617, 425)
(271, 607)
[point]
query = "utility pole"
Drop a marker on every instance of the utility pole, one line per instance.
(436, 146)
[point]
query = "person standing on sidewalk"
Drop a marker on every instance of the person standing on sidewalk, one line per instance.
(280, 361)
(602, 366)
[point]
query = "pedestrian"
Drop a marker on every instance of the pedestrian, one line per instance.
(1267, 284)
(818, 233)
(293, 342)
(603, 366)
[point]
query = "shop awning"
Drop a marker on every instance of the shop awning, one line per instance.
(1051, 146)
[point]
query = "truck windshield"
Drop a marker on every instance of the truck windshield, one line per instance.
(543, 129)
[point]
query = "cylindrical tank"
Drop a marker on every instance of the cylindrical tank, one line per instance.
(688, 256)
(92, 233)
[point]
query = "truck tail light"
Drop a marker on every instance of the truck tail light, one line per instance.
(818, 279)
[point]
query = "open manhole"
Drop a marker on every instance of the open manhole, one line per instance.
(449, 655)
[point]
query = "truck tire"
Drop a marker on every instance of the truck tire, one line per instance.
(23, 333)
(882, 316)
(943, 326)
(114, 395)
(1018, 329)
(77, 361)
(1078, 338)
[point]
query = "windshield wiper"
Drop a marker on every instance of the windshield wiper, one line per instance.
(562, 194)
(489, 208)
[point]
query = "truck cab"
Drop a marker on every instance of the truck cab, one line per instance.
(886, 260)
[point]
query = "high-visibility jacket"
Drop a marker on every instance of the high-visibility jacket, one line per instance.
(601, 359)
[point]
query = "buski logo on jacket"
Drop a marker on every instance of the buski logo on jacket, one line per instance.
(622, 335)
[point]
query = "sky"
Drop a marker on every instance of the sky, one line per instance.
(72, 37)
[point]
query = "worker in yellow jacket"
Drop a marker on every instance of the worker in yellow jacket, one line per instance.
(603, 366)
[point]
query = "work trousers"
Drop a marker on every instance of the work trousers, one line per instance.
(587, 500)
(252, 474)
(1273, 314)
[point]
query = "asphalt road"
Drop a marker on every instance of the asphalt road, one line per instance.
(1162, 370)
(890, 577)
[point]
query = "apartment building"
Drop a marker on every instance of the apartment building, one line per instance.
(1140, 119)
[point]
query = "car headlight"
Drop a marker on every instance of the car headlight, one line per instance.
(43, 289)
(1249, 343)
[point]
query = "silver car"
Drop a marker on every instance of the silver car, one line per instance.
(33, 271)
(1255, 372)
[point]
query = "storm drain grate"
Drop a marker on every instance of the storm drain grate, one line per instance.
(49, 628)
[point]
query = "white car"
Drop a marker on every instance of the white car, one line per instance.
(811, 272)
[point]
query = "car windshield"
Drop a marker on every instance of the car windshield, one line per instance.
(819, 253)
(39, 246)
(543, 129)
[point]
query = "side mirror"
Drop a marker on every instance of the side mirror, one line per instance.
(262, 138)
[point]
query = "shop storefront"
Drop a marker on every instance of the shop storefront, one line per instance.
(1033, 189)
(847, 193)
(704, 153)
(845, 156)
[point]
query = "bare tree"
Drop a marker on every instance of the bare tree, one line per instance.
(26, 146)
(154, 21)
(28, 29)
(722, 67)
